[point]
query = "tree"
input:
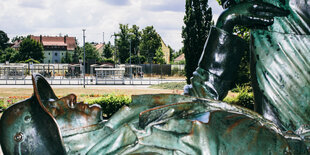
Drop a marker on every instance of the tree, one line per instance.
(159, 56)
(90, 52)
(3, 40)
(197, 22)
(135, 39)
(150, 42)
(76, 53)
(107, 51)
(67, 58)
(18, 38)
(171, 52)
(123, 42)
(9, 54)
(136, 59)
(30, 48)
(243, 75)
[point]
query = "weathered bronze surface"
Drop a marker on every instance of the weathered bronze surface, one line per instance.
(162, 124)
(177, 124)
(280, 60)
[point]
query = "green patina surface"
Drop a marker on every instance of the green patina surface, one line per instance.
(177, 124)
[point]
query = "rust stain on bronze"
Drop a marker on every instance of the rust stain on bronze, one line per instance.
(203, 91)
(230, 128)
(232, 116)
(160, 99)
(11, 118)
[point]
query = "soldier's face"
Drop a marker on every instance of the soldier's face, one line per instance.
(72, 115)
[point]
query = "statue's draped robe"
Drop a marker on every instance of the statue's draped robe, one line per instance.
(282, 68)
(175, 124)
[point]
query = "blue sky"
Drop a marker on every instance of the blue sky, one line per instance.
(55, 17)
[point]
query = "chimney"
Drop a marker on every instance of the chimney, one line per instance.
(41, 39)
(65, 39)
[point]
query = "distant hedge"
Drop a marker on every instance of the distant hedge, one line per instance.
(110, 103)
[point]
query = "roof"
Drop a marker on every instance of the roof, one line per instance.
(180, 57)
(98, 46)
(16, 44)
(69, 42)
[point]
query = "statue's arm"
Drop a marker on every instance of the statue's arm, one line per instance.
(223, 50)
(218, 65)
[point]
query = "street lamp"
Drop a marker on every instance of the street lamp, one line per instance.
(84, 68)
(130, 69)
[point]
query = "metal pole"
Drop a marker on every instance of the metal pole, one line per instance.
(84, 68)
(130, 69)
(103, 37)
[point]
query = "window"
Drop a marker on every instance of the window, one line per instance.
(49, 53)
(49, 61)
(56, 54)
(62, 53)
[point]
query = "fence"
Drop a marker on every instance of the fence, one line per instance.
(66, 74)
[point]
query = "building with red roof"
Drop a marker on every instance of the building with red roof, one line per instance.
(55, 47)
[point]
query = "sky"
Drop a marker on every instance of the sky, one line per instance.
(100, 18)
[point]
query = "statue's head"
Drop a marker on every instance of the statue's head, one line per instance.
(69, 114)
(228, 3)
(44, 120)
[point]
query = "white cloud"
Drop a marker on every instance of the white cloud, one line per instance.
(52, 17)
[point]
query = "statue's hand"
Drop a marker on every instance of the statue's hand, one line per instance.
(199, 88)
(249, 14)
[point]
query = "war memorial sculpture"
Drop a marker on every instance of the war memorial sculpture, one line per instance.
(198, 122)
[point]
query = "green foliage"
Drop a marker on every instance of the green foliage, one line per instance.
(3, 40)
(30, 60)
(243, 75)
(90, 52)
(67, 58)
(135, 39)
(169, 85)
(197, 22)
(9, 54)
(107, 51)
(3, 105)
(110, 103)
(176, 71)
(245, 97)
(108, 61)
(122, 42)
(135, 59)
(159, 56)
(30, 48)
(76, 53)
(150, 42)
(219, 1)
(18, 38)
(171, 52)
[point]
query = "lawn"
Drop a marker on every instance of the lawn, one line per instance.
(9, 96)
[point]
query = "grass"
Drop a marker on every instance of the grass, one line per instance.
(9, 96)
(80, 92)
(169, 85)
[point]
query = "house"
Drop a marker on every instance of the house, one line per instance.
(179, 58)
(16, 45)
(166, 52)
(55, 48)
(99, 47)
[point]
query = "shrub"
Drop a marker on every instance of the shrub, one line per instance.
(108, 61)
(176, 71)
(110, 103)
(245, 97)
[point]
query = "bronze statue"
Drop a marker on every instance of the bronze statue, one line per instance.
(176, 124)
(280, 67)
